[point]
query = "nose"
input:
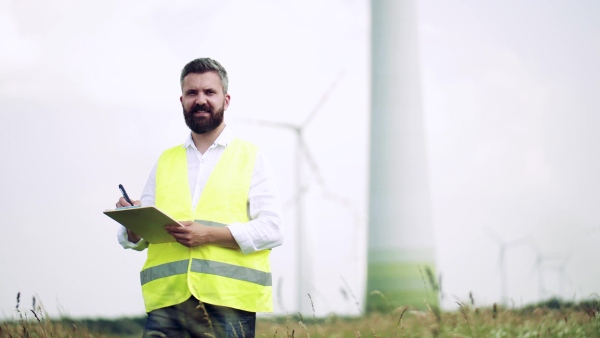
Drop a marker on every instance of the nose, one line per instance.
(200, 99)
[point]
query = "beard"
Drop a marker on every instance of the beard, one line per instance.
(203, 124)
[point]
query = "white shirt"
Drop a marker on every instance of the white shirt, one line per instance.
(263, 231)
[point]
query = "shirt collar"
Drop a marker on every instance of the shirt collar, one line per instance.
(223, 139)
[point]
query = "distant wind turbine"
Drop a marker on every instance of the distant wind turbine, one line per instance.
(563, 277)
(541, 264)
(304, 262)
(504, 247)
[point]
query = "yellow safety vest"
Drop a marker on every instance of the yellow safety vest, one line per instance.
(214, 275)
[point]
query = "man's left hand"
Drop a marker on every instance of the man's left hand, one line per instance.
(193, 234)
(190, 233)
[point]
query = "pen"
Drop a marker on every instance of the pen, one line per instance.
(125, 194)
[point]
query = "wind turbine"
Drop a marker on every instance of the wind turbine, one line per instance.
(541, 263)
(304, 262)
(562, 275)
(504, 247)
(556, 262)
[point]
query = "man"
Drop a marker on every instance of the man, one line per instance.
(215, 278)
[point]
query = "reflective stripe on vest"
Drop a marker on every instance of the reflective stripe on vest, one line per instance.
(231, 271)
(208, 267)
(164, 270)
(210, 223)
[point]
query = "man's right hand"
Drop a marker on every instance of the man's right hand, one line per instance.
(131, 236)
(123, 203)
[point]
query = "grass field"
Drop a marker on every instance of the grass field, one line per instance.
(549, 319)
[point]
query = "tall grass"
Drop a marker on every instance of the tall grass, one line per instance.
(34, 323)
(548, 319)
(543, 320)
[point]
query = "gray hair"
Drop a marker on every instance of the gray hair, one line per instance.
(203, 65)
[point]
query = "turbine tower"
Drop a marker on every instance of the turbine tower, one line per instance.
(401, 243)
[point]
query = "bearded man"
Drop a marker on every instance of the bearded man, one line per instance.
(217, 275)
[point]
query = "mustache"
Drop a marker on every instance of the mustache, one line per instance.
(201, 107)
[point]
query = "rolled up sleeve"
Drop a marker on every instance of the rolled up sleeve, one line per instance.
(264, 230)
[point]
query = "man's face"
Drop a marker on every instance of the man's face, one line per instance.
(203, 101)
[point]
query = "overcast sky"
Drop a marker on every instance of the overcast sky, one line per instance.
(89, 99)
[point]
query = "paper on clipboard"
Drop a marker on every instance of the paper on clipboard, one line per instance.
(147, 222)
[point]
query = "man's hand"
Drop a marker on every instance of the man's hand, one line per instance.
(193, 234)
(121, 203)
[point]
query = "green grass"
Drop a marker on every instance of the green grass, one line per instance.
(549, 319)
(465, 322)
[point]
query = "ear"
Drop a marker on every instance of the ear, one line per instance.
(181, 99)
(227, 99)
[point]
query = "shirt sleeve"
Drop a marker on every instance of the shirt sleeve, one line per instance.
(147, 199)
(126, 244)
(264, 230)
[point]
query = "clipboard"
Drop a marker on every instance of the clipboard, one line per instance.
(147, 222)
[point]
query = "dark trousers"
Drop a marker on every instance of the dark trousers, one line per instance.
(193, 318)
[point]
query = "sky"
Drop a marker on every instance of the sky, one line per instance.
(89, 99)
